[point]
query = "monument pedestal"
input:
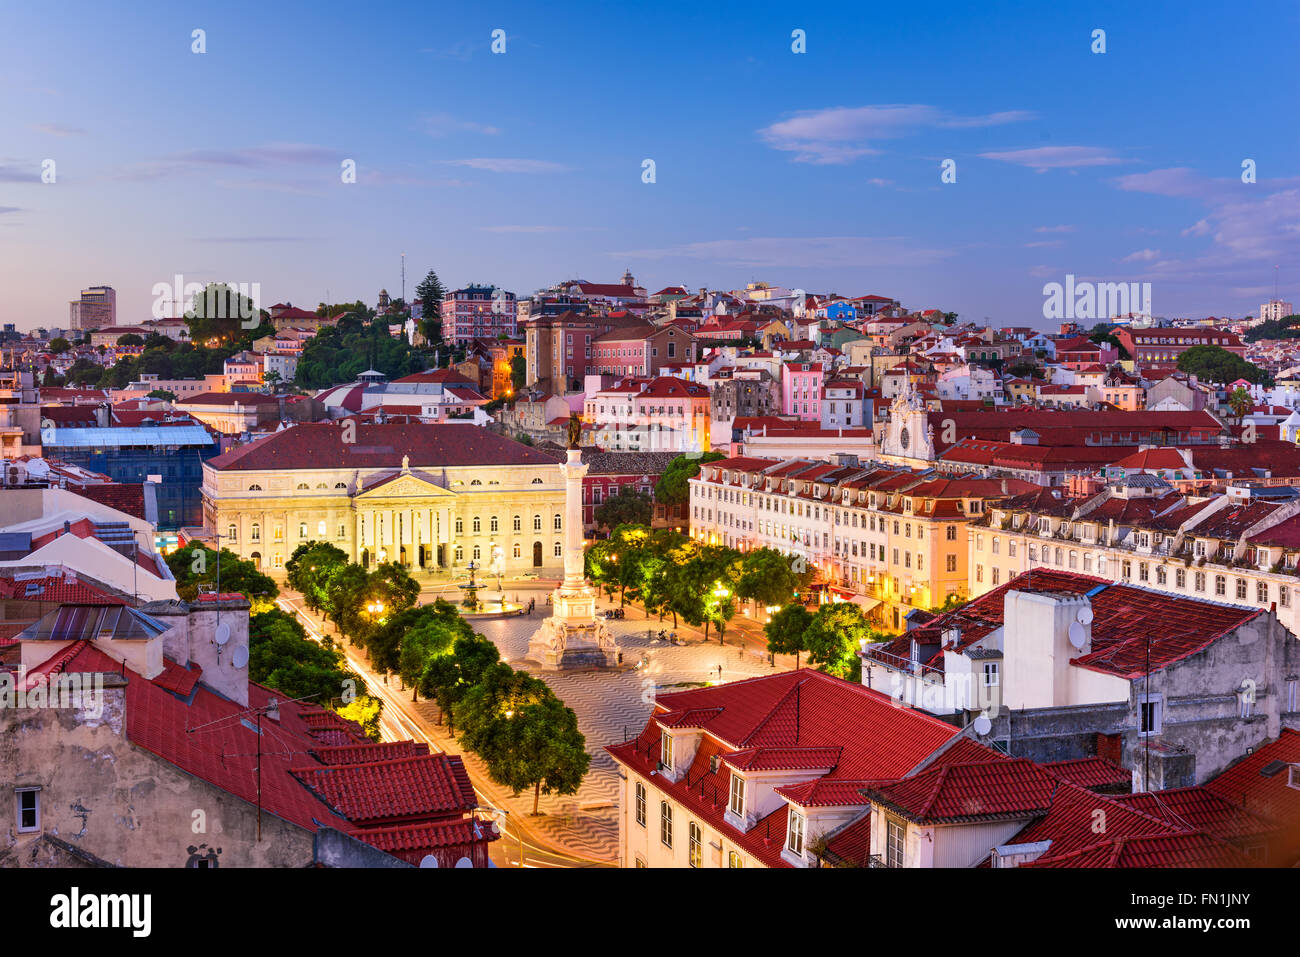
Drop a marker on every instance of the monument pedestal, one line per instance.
(573, 637)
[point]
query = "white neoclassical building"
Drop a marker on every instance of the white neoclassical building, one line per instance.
(431, 497)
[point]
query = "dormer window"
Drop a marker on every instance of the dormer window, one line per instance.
(666, 753)
(794, 833)
(1293, 777)
(736, 804)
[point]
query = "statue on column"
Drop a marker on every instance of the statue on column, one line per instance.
(575, 431)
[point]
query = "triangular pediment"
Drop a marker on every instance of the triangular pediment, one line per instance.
(413, 484)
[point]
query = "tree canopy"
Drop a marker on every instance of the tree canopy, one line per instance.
(673, 487)
(1216, 364)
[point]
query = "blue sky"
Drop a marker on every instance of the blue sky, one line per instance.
(818, 170)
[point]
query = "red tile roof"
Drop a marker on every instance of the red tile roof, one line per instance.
(1092, 772)
(393, 790)
(312, 445)
(981, 791)
(1187, 849)
(787, 713)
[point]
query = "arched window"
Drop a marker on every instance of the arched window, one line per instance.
(320, 528)
(537, 523)
(516, 549)
(302, 486)
(302, 529)
(557, 522)
(537, 481)
(559, 549)
(231, 533)
(493, 524)
(518, 524)
(475, 482)
(340, 484)
(477, 525)
(460, 553)
(257, 533)
(460, 526)
(477, 553)
(255, 488)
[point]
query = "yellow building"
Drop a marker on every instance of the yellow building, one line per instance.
(431, 497)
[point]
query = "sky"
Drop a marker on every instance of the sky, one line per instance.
(820, 170)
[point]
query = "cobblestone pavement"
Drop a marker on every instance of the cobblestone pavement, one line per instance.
(610, 705)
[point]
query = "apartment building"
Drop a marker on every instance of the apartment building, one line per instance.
(888, 538)
(1241, 547)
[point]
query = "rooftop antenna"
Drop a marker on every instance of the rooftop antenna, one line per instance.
(403, 279)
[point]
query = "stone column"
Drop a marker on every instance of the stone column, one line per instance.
(574, 563)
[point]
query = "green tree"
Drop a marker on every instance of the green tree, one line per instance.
(310, 568)
(448, 678)
(346, 595)
(430, 293)
(195, 565)
(525, 735)
(130, 339)
(672, 488)
(165, 394)
(766, 577)
(833, 639)
(59, 345)
(221, 314)
(273, 379)
(1240, 402)
(786, 630)
(1216, 364)
(518, 373)
(628, 507)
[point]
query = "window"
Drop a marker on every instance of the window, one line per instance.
(734, 859)
(951, 563)
(1180, 578)
(794, 833)
(1241, 589)
(256, 535)
(1261, 592)
(737, 802)
(231, 534)
(1284, 596)
(460, 526)
(476, 525)
(559, 550)
(302, 529)
(894, 835)
(640, 803)
(477, 553)
(29, 809)
(990, 674)
(1200, 581)
(517, 523)
(557, 523)
(666, 752)
(979, 573)
(343, 530)
(537, 523)
(1162, 575)
(640, 863)
(666, 823)
(516, 550)
(696, 844)
(1152, 713)
(951, 533)
(1220, 585)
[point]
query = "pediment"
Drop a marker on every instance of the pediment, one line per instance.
(403, 485)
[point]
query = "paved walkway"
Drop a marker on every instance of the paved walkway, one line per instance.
(610, 706)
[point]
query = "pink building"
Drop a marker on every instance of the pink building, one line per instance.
(801, 389)
(478, 312)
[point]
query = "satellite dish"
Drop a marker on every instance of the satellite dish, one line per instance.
(1078, 637)
(464, 862)
(983, 725)
(1085, 616)
(240, 657)
(428, 861)
(223, 633)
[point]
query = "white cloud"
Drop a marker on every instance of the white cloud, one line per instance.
(1142, 255)
(1054, 229)
(842, 134)
(1043, 158)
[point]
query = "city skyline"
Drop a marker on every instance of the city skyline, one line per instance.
(819, 170)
